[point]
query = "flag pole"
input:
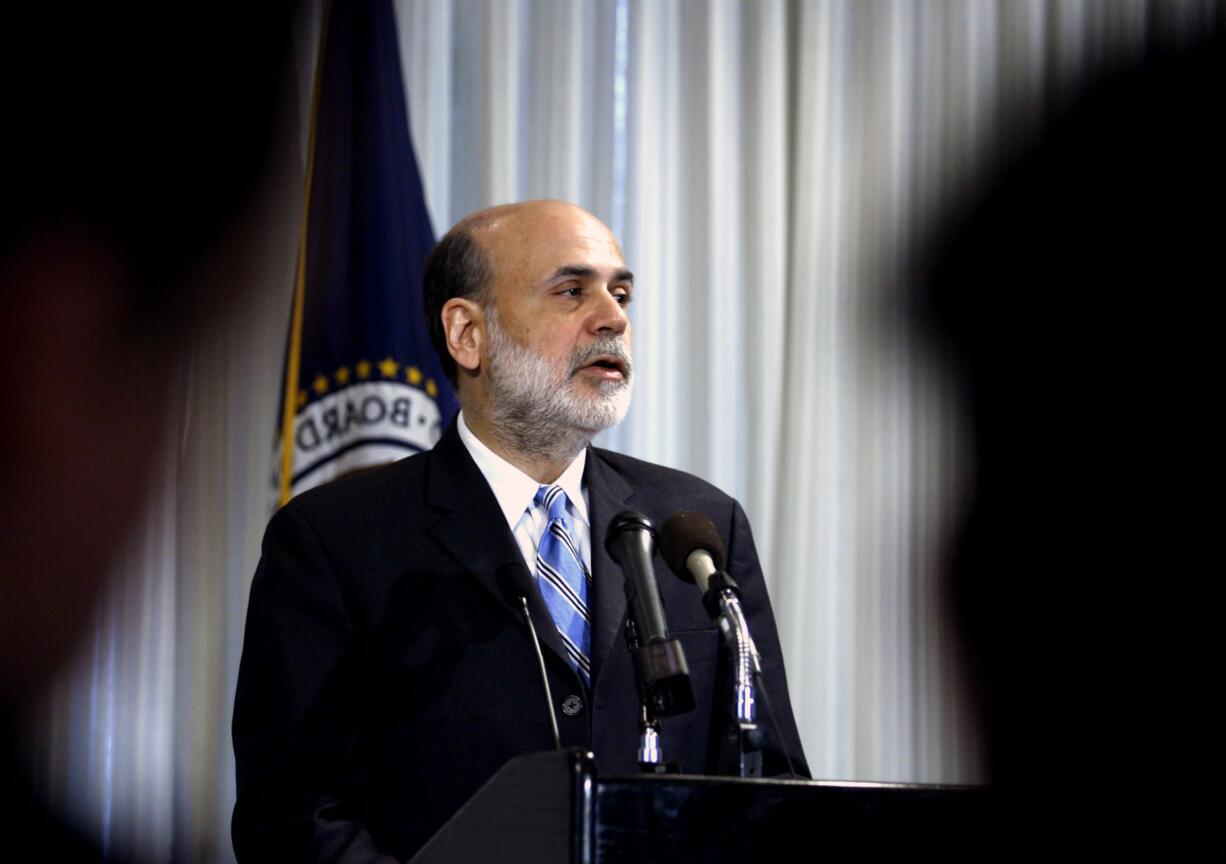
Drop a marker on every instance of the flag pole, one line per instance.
(294, 357)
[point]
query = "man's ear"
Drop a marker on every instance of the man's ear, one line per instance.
(464, 329)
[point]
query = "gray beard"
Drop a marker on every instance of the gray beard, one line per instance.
(533, 408)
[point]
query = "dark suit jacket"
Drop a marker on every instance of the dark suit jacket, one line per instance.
(385, 677)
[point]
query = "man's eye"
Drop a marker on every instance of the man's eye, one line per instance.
(572, 291)
(623, 298)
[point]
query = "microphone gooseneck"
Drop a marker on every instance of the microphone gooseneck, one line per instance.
(516, 585)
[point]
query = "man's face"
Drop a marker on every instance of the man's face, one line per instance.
(536, 395)
(558, 339)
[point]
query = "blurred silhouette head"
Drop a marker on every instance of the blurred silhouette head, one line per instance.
(135, 140)
(1078, 304)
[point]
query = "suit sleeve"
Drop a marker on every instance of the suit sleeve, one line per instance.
(297, 710)
(775, 719)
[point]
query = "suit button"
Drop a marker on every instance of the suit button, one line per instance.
(572, 705)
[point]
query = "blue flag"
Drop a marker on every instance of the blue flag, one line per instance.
(362, 383)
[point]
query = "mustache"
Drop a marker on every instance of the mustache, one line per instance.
(608, 346)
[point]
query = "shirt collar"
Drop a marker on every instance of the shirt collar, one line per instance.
(512, 487)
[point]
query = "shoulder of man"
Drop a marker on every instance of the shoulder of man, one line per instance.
(364, 497)
(657, 481)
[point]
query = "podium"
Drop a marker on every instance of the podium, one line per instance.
(555, 807)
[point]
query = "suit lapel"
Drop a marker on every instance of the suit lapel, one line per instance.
(608, 494)
(473, 530)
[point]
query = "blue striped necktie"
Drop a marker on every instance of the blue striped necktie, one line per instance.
(563, 580)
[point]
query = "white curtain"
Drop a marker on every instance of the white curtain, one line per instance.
(768, 167)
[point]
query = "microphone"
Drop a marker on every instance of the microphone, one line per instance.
(692, 548)
(516, 585)
(663, 675)
(631, 543)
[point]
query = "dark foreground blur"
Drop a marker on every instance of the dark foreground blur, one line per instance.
(137, 142)
(1078, 304)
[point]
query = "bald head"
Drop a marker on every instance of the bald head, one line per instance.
(522, 215)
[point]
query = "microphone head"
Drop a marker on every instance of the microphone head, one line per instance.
(627, 520)
(684, 532)
(514, 581)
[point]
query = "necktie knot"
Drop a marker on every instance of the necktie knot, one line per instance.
(552, 499)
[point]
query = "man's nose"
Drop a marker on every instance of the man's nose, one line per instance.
(609, 316)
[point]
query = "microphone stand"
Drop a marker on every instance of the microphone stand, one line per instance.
(740, 752)
(695, 551)
(651, 753)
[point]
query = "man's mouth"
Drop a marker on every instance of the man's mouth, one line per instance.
(608, 367)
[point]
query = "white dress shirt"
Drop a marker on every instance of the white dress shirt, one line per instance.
(515, 490)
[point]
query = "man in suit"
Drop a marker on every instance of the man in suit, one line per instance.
(386, 672)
